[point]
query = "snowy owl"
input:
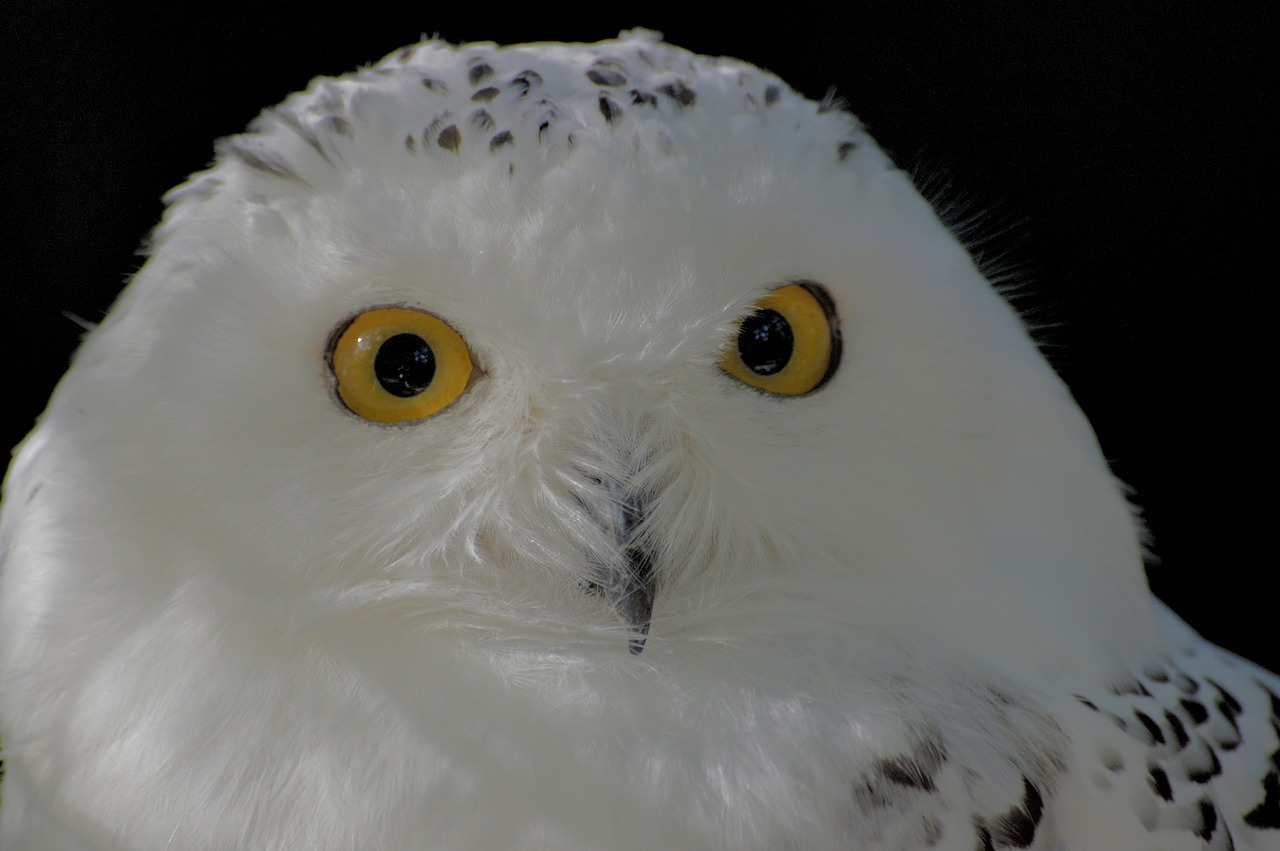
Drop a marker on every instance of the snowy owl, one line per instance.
(596, 446)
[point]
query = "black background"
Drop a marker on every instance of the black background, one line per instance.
(1120, 153)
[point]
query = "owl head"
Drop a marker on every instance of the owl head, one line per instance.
(583, 349)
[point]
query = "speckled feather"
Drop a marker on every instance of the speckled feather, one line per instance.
(903, 611)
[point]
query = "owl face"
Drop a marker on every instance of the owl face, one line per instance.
(592, 348)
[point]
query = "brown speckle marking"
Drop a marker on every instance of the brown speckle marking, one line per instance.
(449, 138)
(262, 162)
(527, 79)
(915, 770)
(611, 111)
(679, 92)
(606, 72)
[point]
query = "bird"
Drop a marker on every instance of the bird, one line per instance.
(588, 446)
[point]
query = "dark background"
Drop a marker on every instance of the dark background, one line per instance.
(1120, 154)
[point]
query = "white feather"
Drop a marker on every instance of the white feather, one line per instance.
(907, 609)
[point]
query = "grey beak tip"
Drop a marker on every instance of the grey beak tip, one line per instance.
(641, 634)
(626, 575)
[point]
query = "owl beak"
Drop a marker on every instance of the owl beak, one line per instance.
(627, 580)
(634, 601)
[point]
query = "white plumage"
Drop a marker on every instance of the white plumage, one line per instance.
(895, 601)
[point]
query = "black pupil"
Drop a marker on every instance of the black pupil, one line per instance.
(404, 365)
(765, 342)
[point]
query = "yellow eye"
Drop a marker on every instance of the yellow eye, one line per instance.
(394, 364)
(789, 344)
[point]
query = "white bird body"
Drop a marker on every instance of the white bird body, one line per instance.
(903, 609)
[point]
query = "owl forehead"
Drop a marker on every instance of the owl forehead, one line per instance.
(527, 108)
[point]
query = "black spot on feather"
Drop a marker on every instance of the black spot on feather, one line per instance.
(261, 162)
(1017, 828)
(771, 95)
(478, 72)
(932, 832)
(1196, 710)
(449, 138)
(1160, 783)
(1002, 697)
(526, 79)
(1231, 710)
(500, 139)
(914, 770)
(482, 120)
(611, 111)
(1156, 674)
(1186, 684)
(1208, 819)
(1153, 729)
(435, 85)
(604, 76)
(485, 95)
(679, 92)
(291, 121)
(1267, 814)
(641, 97)
(1131, 687)
(1229, 705)
(1179, 731)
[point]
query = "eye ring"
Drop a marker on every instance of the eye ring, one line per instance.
(398, 364)
(789, 344)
